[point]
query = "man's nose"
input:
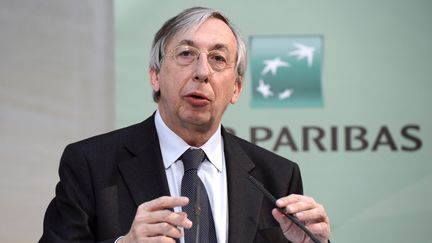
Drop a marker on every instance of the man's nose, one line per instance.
(202, 68)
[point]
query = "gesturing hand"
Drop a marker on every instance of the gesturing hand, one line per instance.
(310, 213)
(155, 222)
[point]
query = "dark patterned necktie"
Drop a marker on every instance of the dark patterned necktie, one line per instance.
(198, 209)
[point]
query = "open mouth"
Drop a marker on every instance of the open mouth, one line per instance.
(196, 99)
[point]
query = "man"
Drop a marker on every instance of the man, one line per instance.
(126, 186)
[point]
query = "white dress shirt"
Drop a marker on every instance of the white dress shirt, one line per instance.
(212, 172)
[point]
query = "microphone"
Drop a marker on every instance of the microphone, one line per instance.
(269, 196)
(197, 213)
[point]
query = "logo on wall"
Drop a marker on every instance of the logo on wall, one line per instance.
(286, 71)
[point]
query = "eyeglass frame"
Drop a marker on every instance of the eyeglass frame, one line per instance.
(199, 52)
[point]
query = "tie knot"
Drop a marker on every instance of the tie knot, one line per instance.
(192, 159)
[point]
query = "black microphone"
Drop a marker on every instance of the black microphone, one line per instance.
(260, 187)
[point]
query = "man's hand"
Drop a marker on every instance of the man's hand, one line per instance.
(307, 211)
(155, 222)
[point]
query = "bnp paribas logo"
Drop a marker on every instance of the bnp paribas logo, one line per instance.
(286, 71)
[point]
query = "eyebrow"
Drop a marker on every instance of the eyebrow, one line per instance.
(217, 46)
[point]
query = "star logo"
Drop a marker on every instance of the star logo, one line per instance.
(272, 65)
(302, 52)
(264, 89)
(286, 71)
(285, 94)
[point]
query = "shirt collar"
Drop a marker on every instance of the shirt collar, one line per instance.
(172, 146)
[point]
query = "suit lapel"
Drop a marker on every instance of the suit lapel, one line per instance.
(144, 173)
(243, 199)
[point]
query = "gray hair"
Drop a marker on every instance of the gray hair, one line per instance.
(183, 21)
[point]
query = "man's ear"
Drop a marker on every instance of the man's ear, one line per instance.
(154, 79)
(238, 87)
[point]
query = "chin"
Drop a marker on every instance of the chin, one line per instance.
(200, 120)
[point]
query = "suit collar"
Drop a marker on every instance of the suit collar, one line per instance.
(172, 146)
(243, 198)
(144, 172)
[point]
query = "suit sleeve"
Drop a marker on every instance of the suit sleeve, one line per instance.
(70, 215)
(296, 184)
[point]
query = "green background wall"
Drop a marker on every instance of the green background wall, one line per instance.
(376, 73)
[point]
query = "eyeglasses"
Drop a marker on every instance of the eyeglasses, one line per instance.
(185, 55)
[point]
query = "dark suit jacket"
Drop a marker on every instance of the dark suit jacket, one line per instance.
(103, 179)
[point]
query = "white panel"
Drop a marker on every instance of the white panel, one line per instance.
(56, 87)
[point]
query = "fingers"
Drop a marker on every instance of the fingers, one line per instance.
(163, 203)
(157, 210)
(176, 219)
(314, 226)
(295, 203)
(154, 221)
(155, 230)
(157, 239)
(285, 223)
(303, 207)
(307, 211)
(310, 213)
